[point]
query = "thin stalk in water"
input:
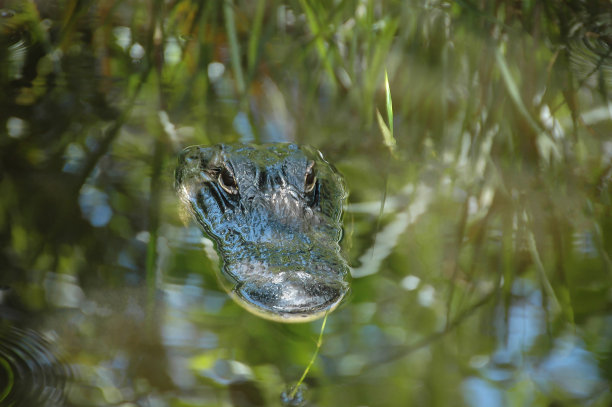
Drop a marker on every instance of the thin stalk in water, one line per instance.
(314, 356)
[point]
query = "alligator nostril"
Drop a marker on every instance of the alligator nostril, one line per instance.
(277, 180)
(261, 180)
(189, 156)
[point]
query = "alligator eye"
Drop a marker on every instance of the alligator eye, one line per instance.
(227, 181)
(310, 180)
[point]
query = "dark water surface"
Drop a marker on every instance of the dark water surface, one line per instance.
(479, 232)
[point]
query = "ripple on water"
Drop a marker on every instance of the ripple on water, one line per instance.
(294, 398)
(31, 374)
(590, 46)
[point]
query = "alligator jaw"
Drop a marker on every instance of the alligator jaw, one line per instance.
(291, 295)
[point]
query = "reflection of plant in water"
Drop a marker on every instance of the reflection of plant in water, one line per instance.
(499, 192)
(294, 395)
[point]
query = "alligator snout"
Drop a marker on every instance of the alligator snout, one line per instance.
(292, 295)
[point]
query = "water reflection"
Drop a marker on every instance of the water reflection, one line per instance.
(484, 280)
(517, 371)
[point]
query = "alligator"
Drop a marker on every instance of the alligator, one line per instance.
(273, 212)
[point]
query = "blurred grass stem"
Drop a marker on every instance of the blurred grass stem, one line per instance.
(228, 12)
(314, 357)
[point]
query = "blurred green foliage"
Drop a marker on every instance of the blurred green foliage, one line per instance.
(497, 199)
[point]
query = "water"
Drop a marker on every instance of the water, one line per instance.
(31, 372)
(480, 246)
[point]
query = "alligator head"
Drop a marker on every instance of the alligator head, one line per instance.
(274, 212)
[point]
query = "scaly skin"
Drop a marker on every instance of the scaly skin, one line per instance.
(274, 212)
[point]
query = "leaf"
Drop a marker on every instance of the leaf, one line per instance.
(386, 132)
(389, 106)
(387, 129)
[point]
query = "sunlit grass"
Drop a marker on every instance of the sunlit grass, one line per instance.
(386, 129)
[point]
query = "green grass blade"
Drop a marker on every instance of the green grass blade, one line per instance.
(389, 107)
(387, 128)
(324, 54)
(312, 359)
(513, 90)
(255, 38)
(228, 12)
(386, 132)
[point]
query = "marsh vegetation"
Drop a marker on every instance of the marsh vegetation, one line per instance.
(478, 225)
